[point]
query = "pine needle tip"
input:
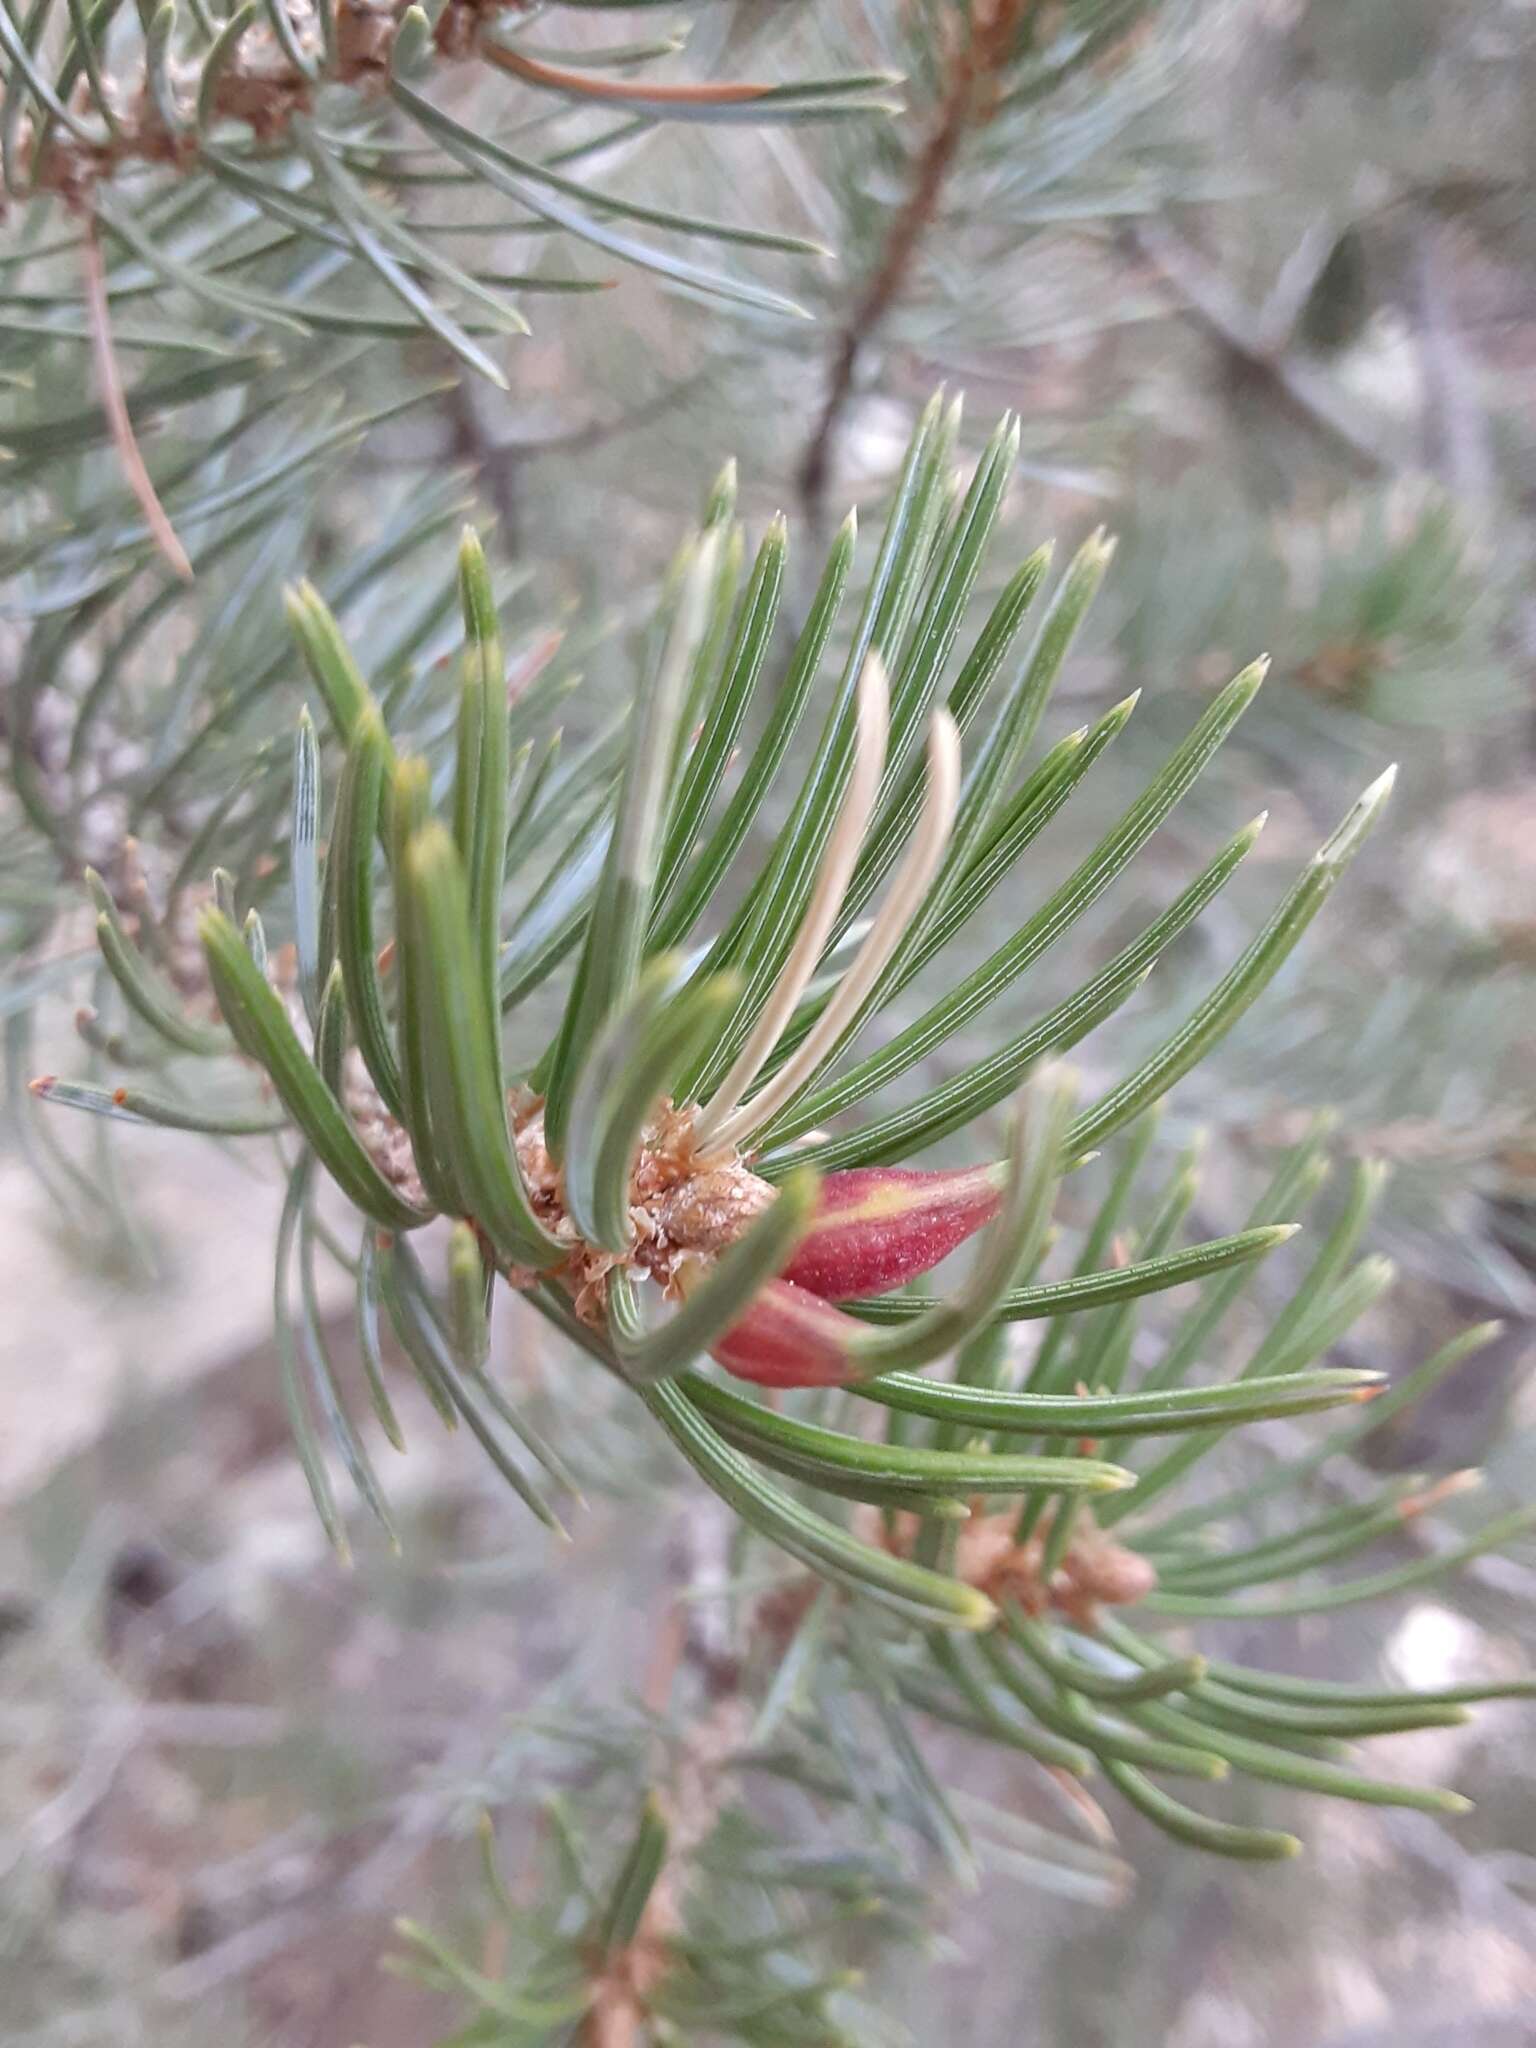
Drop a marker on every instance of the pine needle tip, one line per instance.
(975, 1610)
(1346, 839)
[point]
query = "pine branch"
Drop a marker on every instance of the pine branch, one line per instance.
(1015, 100)
(266, 75)
(300, 136)
(620, 1187)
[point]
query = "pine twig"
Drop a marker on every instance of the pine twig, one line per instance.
(695, 1636)
(496, 466)
(967, 102)
(270, 75)
(1211, 300)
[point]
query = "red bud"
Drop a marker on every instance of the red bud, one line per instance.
(790, 1338)
(881, 1225)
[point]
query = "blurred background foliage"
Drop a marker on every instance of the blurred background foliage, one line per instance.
(1256, 275)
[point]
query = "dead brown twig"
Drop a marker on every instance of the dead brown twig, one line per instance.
(113, 403)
